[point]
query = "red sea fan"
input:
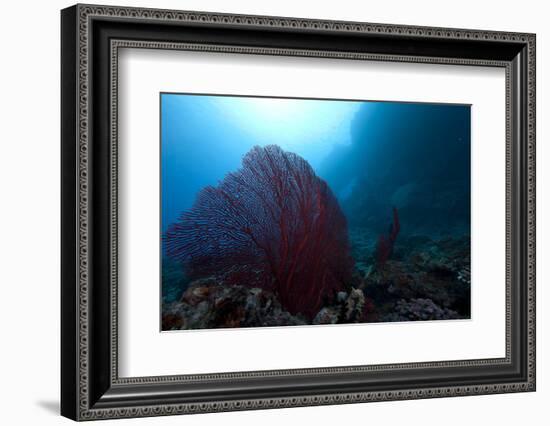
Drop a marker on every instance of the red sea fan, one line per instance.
(385, 245)
(271, 224)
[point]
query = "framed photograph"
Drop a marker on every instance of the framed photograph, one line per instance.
(263, 212)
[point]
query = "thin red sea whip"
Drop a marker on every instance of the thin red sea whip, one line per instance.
(384, 249)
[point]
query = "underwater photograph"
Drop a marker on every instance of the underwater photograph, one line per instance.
(293, 211)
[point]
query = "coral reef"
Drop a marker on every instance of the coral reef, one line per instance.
(464, 275)
(208, 304)
(426, 279)
(419, 309)
(421, 269)
(271, 245)
(349, 308)
(273, 224)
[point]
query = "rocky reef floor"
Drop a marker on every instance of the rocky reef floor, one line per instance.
(425, 278)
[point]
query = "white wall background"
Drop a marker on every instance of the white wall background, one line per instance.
(29, 213)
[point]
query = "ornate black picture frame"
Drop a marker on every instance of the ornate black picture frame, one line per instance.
(90, 38)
